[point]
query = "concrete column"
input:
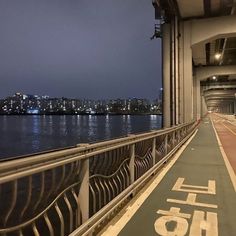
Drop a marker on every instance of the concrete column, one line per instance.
(177, 68)
(235, 106)
(166, 75)
(181, 74)
(186, 78)
(204, 107)
(198, 98)
(173, 75)
(194, 97)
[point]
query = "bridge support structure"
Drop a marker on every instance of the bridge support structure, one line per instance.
(183, 99)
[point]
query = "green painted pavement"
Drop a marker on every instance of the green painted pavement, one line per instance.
(200, 162)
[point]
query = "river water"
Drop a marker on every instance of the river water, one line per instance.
(23, 135)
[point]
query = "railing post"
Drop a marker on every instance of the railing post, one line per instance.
(173, 139)
(84, 191)
(154, 151)
(131, 163)
(178, 135)
(166, 144)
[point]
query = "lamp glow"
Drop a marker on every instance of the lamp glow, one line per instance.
(217, 56)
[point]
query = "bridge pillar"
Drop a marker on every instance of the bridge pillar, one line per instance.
(196, 99)
(182, 97)
(203, 106)
(166, 76)
(185, 72)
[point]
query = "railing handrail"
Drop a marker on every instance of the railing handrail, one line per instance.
(75, 184)
(36, 163)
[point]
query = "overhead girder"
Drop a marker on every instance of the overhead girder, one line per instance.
(202, 73)
(219, 97)
(226, 92)
(208, 29)
(217, 87)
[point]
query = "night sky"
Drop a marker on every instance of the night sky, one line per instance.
(96, 49)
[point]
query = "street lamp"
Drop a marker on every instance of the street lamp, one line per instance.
(217, 56)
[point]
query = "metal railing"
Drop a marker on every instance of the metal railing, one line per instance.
(56, 193)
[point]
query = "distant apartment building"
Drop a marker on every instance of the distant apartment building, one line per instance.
(33, 104)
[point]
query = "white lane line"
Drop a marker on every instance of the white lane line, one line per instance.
(227, 163)
(115, 228)
(229, 129)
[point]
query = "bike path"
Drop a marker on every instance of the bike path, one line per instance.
(196, 196)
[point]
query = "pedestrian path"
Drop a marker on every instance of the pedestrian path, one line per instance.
(195, 197)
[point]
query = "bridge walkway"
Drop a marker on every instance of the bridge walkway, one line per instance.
(193, 195)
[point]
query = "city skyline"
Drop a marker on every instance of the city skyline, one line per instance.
(158, 96)
(96, 49)
(22, 104)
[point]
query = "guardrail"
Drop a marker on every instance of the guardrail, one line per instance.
(60, 192)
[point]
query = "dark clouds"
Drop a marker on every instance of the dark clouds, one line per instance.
(79, 48)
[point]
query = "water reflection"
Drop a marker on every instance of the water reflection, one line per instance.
(107, 127)
(36, 132)
(21, 135)
(126, 127)
(92, 125)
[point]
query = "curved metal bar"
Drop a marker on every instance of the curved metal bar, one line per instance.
(127, 174)
(35, 230)
(111, 187)
(124, 182)
(70, 172)
(20, 233)
(14, 228)
(77, 167)
(13, 202)
(99, 195)
(103, 176)
(70, 212)
(116, 186)
(58, 210)
(108, 190)
(104, 193)
(78, 220)
(142, 157)
(60, 184)
(93, 199)
(29, 195)
(52, 188)
(42, 187)
(49, 225)
(120, 183)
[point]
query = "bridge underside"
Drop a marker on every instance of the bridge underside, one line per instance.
(199, 57)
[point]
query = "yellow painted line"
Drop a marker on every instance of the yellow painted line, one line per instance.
(119, 222)
(227, 164)
(229, 129)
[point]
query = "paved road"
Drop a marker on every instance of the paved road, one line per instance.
(226, 130)
(196, 196)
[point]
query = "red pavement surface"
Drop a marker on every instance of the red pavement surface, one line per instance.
(227, 135)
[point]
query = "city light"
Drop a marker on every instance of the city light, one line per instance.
(217, 56)
(214, 77)
(33, 104)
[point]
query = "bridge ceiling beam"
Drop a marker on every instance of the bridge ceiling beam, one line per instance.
(228, 93)
(208, 29)
(205, 72)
